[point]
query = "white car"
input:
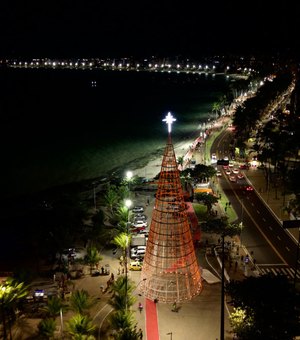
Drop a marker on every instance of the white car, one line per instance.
(138, 251)
(140, 224)
(140, 217)
(136, 248)
(219, 173)
(138, 209)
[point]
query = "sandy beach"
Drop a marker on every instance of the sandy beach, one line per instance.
(184, 149)
(153, 166)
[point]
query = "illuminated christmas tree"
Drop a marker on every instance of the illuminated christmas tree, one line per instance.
(170, 269)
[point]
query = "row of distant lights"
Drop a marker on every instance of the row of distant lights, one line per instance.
(120, 65)
(54, 63)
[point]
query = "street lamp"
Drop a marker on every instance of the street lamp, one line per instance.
(128, 204)
(242, 218)
(170, 333)
(61, 323)
(129, 176)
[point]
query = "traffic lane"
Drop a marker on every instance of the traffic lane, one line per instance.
(256, 241)
(251, 237)
(272, 228)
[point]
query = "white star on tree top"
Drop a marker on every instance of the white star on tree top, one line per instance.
(169, 120)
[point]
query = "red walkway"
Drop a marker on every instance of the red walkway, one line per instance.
(151, 321)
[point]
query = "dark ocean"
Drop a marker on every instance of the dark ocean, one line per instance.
(64, 126)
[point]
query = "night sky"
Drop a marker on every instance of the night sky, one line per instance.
(71, 28)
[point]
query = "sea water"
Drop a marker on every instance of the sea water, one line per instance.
(64, 126)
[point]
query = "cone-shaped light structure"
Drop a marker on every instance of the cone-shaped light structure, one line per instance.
(170, 268)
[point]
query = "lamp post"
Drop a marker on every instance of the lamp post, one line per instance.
(128, 204)
(170, 333)
(129, 176)
(61, 323)
(242, 218)
(222, 290)
(94, 196)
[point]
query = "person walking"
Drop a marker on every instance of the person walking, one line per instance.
(140, 307)
(140, 334)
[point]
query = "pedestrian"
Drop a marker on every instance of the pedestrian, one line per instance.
(112, 277)
(174, 309)
(140, 334)
(140, 307)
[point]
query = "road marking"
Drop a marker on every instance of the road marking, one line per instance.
(287, 248)
(270, 228)
(279, 238)
(258, 212)
(252, 204)
(261, 231)
(264, 219)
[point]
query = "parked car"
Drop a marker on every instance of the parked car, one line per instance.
(143, 232)
(138, 209)
(140, 223)
(219, 173)
(135, 265)
(138, 251)
(140, 217)
(137, 229)
(135, 248)
(248, 188)
(232, 178)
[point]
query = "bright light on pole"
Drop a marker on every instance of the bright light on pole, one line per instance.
(129, 176)
(128, 204)
(61, 323)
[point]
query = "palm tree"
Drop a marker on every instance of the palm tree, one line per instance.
(81, 327)
(123, 324)
(180, 160)
(123, 214)
(111, 198)
(47, 328)
(54, 306)
(216, 109)
(93, 257)
(11, 293)
(122, 297)
(80, 301)
(123, 241)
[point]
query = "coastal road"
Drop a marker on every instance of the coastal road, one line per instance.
(262, 233)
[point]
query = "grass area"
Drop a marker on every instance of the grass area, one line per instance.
(200, 211)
